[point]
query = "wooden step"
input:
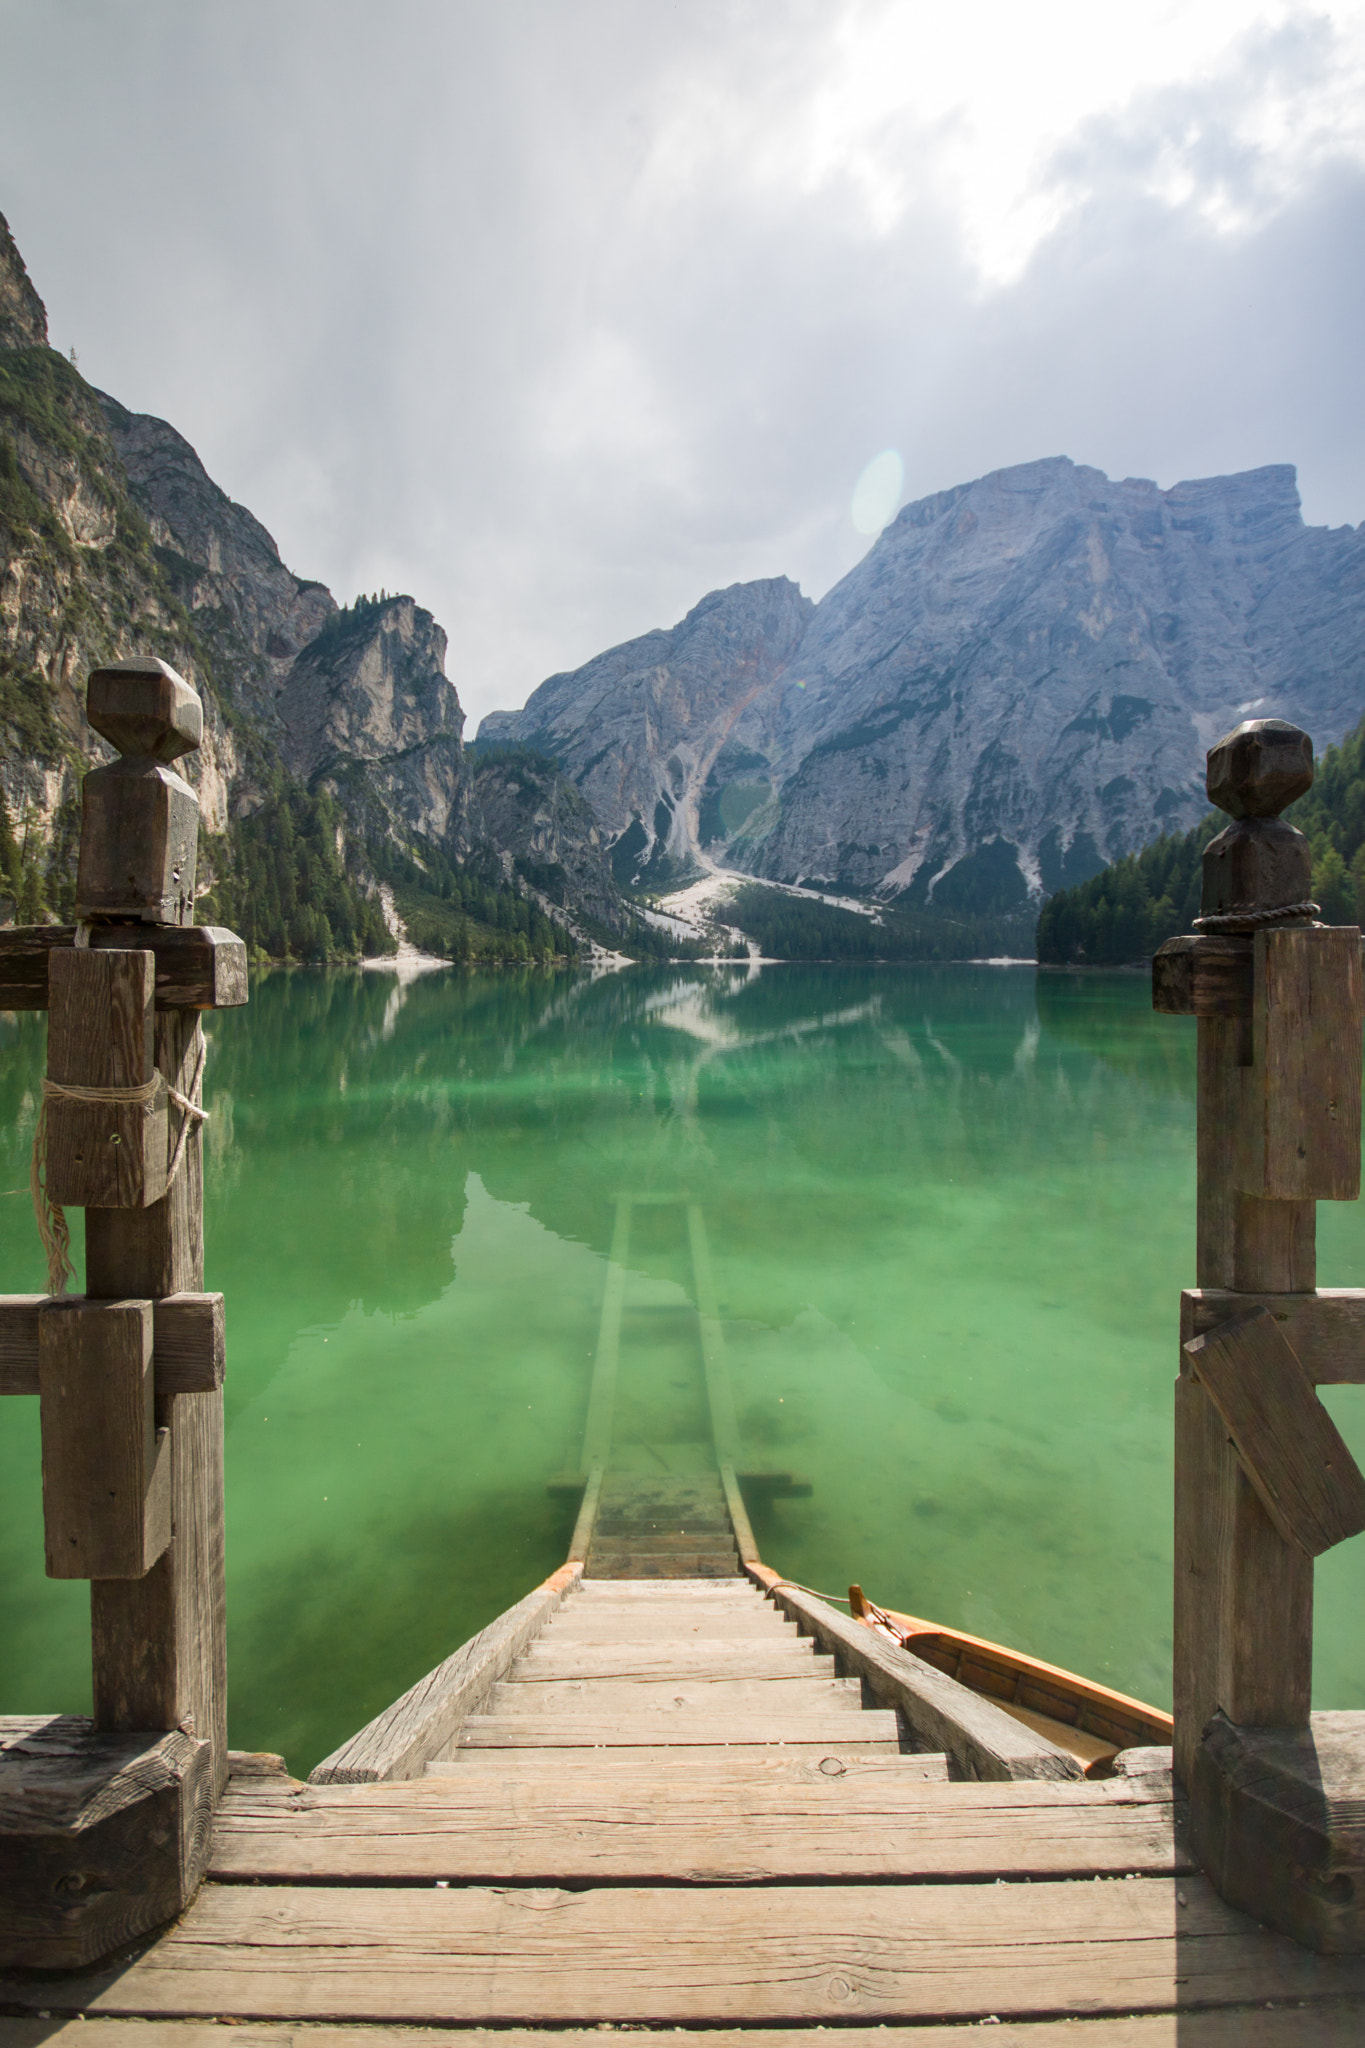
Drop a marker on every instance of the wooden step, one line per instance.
(1333, 2023)
(548, 1659)
(675, 1697)
(606, 1826)
(606, 1731)
(766, 1955)
(707, 1590)
(634, 1565)
(727, 1768)
(679, 1625)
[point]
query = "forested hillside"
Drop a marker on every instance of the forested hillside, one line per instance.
(1126, 912)
(800, 928)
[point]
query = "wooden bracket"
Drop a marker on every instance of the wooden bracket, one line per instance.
(1325, 1329)
(106, 1466)
(1203, 975)
(189, 1348)
(1288, 1445)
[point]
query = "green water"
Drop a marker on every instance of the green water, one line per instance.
(950, 1211)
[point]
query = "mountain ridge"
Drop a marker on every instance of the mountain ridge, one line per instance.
(1016, 684)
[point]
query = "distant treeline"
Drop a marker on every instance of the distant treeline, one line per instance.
(1126, 912)
(283, 885)
(799, 928)
(468, 912)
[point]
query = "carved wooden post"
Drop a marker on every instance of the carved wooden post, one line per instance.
(130, 1376)
(1263, 1482)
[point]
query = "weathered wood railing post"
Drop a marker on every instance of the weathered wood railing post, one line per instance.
(104, 1828)
(1263, 1481)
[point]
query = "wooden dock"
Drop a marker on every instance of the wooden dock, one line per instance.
(671, 1812)
(669, 1791)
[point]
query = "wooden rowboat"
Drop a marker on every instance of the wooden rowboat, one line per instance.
(1091, 1722)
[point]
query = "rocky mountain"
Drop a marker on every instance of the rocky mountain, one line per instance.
(647, 729)
(1016, 684)
(333, 743)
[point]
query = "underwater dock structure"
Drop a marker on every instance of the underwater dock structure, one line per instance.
(670, 1791)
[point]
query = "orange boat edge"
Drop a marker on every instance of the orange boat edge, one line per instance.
(1091, 1722)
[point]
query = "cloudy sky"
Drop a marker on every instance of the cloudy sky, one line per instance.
(559, 313)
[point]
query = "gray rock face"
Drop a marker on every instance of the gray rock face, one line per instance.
(358, 698)
(548, 828)
(226, 567)
(1025, 674)
(641, 728)
(368, 709)
(1016, 684)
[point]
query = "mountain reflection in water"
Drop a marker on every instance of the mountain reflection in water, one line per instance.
(950, 1210)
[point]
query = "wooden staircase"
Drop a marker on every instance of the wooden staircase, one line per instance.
(668, 1814)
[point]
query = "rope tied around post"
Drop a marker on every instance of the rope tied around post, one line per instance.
(50, 1216)
(1248, 920)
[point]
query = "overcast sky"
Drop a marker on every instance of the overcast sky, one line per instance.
(560, 313)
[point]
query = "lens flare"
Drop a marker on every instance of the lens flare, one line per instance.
(877, 492)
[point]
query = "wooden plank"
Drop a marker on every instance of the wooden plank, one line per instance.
(198, 967)
(405, 1737)
(739, 1516)
(1325, 1329)
(719, 1393)
(606, 1359)
(673, 1696)
(189, 1351)
(19, 1342)
(986, 1742)
(720, 1730)
(1293, 1452)
(730, 1954)
(727, 1767)
(106, 1470)
(101, 1837)
(581, 1541)
(738, 1588)
(600, 1828)
(160, 1643)
(1299, 1131)
(695, 1659)
(100, 1035)
(1203, 975)
(1330, 2023)
(650, 1540)
(630, 1564)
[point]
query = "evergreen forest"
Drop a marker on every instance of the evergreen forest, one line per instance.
(1127, 911)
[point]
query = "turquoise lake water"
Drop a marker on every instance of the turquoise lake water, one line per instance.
(950, 1211)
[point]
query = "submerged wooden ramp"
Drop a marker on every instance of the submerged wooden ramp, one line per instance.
(671, 1812)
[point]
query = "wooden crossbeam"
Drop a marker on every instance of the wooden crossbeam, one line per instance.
(188, 1343)
(1325, 1329)
(1203, 975)
(198, 967)
(1289, 1446)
